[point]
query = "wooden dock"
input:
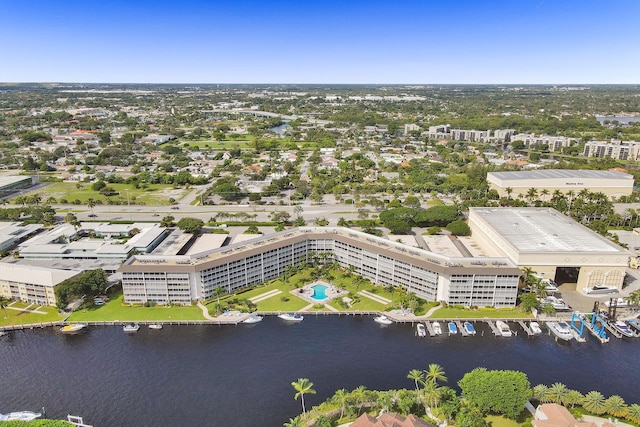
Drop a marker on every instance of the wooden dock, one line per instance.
(494, 327)
(461, 328)
(430, 330)
(526, 328)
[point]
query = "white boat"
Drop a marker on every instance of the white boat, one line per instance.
(73, 328)
(634, 323)
(155, 326)
(623, 328)
(254, 318)
(601, 289)
(469, 328)
(503, 328)
(383, 320)
(617, 302)
(421, 330)
(437, 329)
(561, 330)
(20, 416)
(557, 303)
(131, 327)
(535, 328)
(291, 317)
(453, 329)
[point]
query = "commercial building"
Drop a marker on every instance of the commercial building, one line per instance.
(613, 184)
(11, 184)
(105, 244)
(434, 277)
(35, 285)
(550, 243)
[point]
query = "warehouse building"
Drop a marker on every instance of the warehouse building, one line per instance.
(551, 244)
(613, 184)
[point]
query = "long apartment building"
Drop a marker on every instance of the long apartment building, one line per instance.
(555, 143)
(184, 279)
(469, 135)
(615, 149)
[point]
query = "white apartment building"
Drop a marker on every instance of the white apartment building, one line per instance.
(615, 149)
(434, 277)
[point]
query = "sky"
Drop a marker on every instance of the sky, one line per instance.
(330, 42)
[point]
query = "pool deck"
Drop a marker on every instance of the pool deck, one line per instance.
(331, 292)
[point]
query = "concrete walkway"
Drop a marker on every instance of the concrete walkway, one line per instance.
(265, 296)
(26, 309)
(205, 311)
(374, 297)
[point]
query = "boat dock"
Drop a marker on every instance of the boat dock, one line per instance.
(461, 328)
(430, 330)
(494, 327)
(526, 328)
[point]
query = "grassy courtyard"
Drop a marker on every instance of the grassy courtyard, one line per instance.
(18, 317)
(115, 309)
(480, 313)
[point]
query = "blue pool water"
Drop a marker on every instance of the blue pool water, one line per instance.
(319, 292)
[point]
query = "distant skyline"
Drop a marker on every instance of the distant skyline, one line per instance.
(329, 42)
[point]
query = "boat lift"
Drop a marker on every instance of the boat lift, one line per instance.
(596, 326)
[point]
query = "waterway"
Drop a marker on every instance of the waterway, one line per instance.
(241, 375)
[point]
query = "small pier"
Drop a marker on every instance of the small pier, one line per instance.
(461, 328)
(526, 328)
(494, 327)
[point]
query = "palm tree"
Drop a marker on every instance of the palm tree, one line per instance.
(545, 193)
(594, 402)
(541, 392)
(634, 413)
(573, 398)
(558, 393)
(4, 302)
(294, 422)
(509, 191)
(341, 397)
(417, 376)
(91, 203)
(431, 393)
(616, 406)
(302, 386)
(435, 373)
(360, 394)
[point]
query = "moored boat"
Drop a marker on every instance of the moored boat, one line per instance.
(254, 318)
(131, 327)
(73, 328)
(437, 329)
(291, 317)
(622, 327)
(383, 320)
(617, 302)
(561, 330)
(504, 328)
(634, 323)
(600, 289)
(469, 328)
(535, 328)
(155, 326)
(20, 416)
(453, 329)
(421, 330)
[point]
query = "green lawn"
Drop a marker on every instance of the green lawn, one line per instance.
(15, 317)
(114, 309)
(244, 143)
(154, 194)
(501, 421)
(492, 313)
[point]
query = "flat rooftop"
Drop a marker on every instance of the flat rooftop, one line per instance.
(560, 173)
(544, 230)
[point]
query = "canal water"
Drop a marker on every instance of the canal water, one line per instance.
(241, 375)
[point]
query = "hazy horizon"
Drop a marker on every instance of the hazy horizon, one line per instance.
(525, 42)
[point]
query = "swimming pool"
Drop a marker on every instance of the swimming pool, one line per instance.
(319, 292)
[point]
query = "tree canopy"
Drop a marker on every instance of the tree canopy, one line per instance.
(500, 391)
(87, 284)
